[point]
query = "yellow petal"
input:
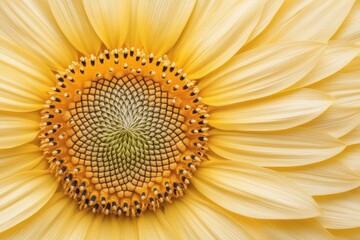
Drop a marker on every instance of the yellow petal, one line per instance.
(253, 191)
(109, 227)
(161, 23)
(341, 210)
(353, 137)
(260, 72)
(129, 229)
(82, 221)
(214, 33)
(195, 217)
(350, 158)
(24, 194)
(350, 28)
(110, 20)
(133, 36)
(353, 66)
(295, 230)
(14, 101)
(155, 225)
(328, 177)
(57, 218)
(17, 128)
(345, 87)
(279, 112)
(62, 215)
(336, 56)
(347, 234)
(30, 25)
(294, 147)
(288, 11)
(336, 121)
(314, 21)
(270, 10)
(35, 226)
(98, 227)
(71, 17)
(24, 80)
(18, 159)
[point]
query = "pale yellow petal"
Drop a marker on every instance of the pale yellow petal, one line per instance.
(277, 113)
(350, 158)
(155, 225)
(56, 220)
(350, 28)
(18, 159)
(328, 177)
(345, 87)
(133, 36)
(253, 191)
(295, 230)
(23, 194)
(71, 17)
(110, 20)
(353, 66)
(336, 56)
(82, 220)
(102, 227)
(24, 80)
(294, 147)
(98, 225)
(195, 217)
(17, 128)
(271, 8)
(35, 226)
(288, 11)
(215, 32)
(353, 137)
(304, 20)
(64, 213)
(129, 229)
(336, 121)
(30, 25)
(340, 211)
(14, 100)
(161, 23)
(347, 234)
(260, 72)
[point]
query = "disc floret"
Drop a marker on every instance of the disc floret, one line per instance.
(124, 131)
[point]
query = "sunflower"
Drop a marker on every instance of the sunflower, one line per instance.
(180, 119)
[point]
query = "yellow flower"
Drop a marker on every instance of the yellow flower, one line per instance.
(180, 119)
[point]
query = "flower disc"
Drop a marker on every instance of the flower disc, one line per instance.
(124, 132)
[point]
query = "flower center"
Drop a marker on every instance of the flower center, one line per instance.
(123, 132)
